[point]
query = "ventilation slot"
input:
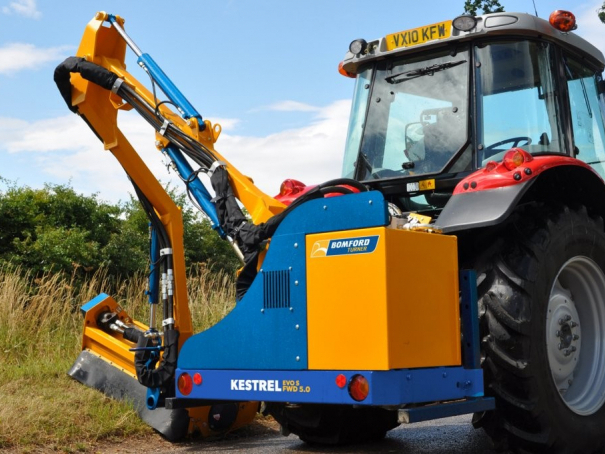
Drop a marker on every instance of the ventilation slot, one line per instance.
(277, 289)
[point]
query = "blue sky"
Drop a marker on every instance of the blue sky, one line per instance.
(265, 70)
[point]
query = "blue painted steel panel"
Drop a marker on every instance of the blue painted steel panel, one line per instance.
(469, 316)
(252, 337)
(93, 302)
(394, 387)
(354, 211)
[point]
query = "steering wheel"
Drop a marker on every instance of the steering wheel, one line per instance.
(381, 172)
(514, 140)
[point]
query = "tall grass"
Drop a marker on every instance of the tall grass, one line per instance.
(40, 337)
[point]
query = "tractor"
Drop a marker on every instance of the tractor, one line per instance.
(456, 266)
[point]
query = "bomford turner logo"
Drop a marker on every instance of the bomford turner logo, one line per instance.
(345, 246)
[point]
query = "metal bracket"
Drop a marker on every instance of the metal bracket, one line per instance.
(166, 251)
(168, 321)
(164, 127)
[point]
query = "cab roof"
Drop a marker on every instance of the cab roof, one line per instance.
(489, 25)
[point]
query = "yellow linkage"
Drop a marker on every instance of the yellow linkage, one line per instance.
(105, 47)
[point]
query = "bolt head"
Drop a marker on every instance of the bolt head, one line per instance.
(298, 358)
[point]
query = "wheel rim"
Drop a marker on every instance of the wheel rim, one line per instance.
(575, 335)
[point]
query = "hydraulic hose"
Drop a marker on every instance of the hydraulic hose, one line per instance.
(248, 236)
(88, 70)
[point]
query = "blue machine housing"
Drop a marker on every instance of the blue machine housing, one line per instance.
(259, 350)
(261, 332)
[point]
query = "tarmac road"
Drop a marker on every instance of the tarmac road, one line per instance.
(441, 436)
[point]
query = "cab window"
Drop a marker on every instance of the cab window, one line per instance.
(517, 99)
(586, 114)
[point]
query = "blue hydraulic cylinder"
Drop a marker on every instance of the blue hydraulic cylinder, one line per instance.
(198, 190)
(174, 94)
(154, 254)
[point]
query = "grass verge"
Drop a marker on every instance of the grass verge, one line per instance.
(40, 337)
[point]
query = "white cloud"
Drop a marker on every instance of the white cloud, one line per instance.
(16, 57)
(62, 150)
(26, 8)
(227, 124)
(311, 154)
(292, 106)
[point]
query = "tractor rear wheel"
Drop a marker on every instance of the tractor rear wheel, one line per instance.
(541, 289)
(333, 424)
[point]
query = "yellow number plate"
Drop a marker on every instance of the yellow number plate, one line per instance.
(420, 35)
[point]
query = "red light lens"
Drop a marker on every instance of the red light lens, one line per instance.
(290, 186)
(185, 384)
(562, 20)
(491, 166)
(515, 157)
(344, 72)
(341, 381)
(359, 388)
(197, 378)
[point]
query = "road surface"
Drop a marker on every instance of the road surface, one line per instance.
(441, 436)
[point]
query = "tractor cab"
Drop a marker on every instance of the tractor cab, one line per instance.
(434, 104)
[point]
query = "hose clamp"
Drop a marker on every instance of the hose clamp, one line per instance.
(168, 321)
(215, 165)
(166, 251)
(116, 85)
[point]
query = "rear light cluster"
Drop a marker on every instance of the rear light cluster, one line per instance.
(185, 382)
(516, 157)
(359, 387)
(512, 161)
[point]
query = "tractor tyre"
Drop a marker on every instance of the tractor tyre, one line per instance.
(333, 424)
(541, 289)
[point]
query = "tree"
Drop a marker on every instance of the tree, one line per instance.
(54, 229)
(487, 6)
(601, 13)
